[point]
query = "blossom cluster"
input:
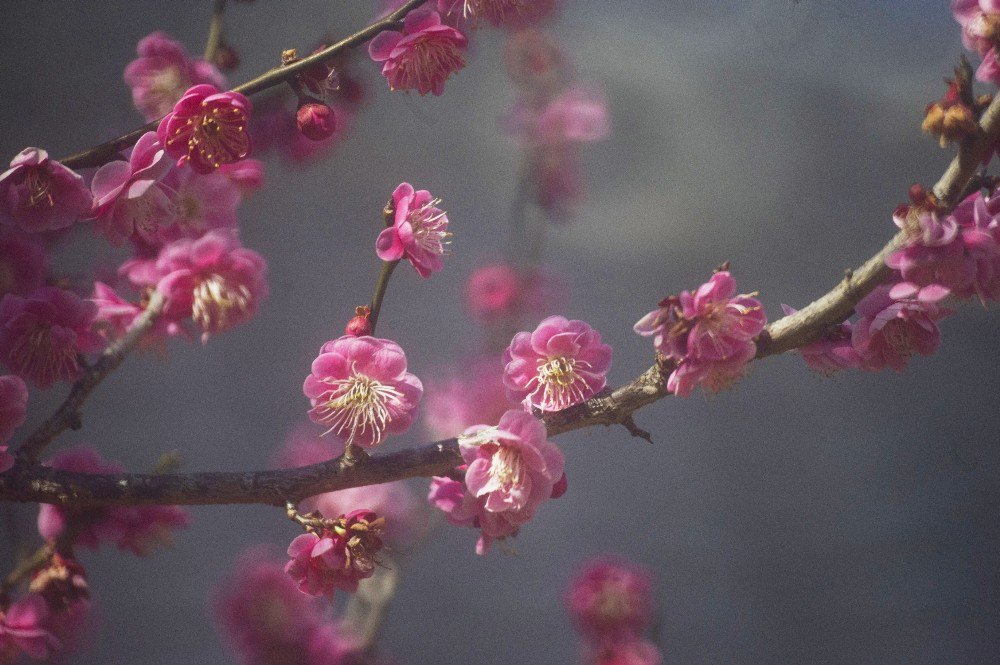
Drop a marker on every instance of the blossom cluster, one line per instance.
(980, 21)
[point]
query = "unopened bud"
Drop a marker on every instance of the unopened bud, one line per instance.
(316, 121)
(360, 326)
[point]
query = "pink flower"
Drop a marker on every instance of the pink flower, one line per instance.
(163, 72)
(832, 352)
(500, 293)
(129, 196)
(419, 231)
(61, 581)
(246, 174)
(207, 128)
(137, 529)
(511, 469)
(889, 331)
(611, 599)
(213, 280)
(422, 56)
(40, 194)
(468, 394)
(202, 203)
(560, 364)
(13, 406)
(577, 115)
(23, 630)
(508, 13)
(277, 128)
(342, 555)
(360, 390)
(980, 21)
(708, 333)
(316, 121)
(535, 62)
(978, 220)
(632, 652)
(23, 263)
(42, 335)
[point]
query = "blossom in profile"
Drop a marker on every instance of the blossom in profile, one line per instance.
(342, 554)
(419, 231)
(889, 330)
(611, 599)
(207, 128)
(40, 194)
(560, 364)
(129, 196)
(24, 630)
(360, 390)
(709, 334)
(43, 334)
(24, 262)
(832, 351)
(13, 405)
(422, 56)
(162, 72)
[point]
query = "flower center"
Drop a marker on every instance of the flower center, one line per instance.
(433, 61)
(358, 404)
(560, 382)
(507, 467)
(37, 354)
(216, 300)
(362, 542)
(167, 86)
(899, 338)
(429, 225)
(39, 185)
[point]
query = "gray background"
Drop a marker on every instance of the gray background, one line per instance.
(795, 519)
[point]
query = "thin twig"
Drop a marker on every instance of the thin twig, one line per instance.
(380, 287)
(215, 27)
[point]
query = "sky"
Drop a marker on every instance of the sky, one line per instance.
(793, 519)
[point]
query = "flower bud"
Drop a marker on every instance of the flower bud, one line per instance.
(316, 121)
(360, 325)
(227, 58)
(62, 582)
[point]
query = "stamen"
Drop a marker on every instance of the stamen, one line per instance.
(215, 301)
(358, 404)
(560, 382)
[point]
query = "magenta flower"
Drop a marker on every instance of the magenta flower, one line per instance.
(23, 263)
(978, 220)
(360, 390)
(832, 352)
(560, 364)
(889, 331)
(709, 334)
(207, 128)
(163, 72)
(422, 56)
(980, 21)
(246, 174)
(278, 128)
(500, 292)
(13, 406)
(341, 556)
(611, 599)
(468, 394)
(129, 196)
(23, 630)
(213, 280)
(43, 334)
(419, 231)
(577, 115)
(202, 203)
(40, 194)
(316, 121)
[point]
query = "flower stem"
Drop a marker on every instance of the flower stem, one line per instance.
(380, 287)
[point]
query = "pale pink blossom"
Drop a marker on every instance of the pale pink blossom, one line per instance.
(560, 364)
(419, 231)
(576, 115)
(40, 194)
(535, 62)
(708, 333)
(23, 630)
(422, 56)
(980, 21)
(246, 174)
(360, 390)
(341, 555)
(207, 128)
(43, 334)
(471, 393)
(889, 331)
(202, 203)
(978, 221)
(463, 509)
(129, 196)
(611, 599)
(163, 72)
(832, 351)
(23, 263)
(13, 406)
(500, 293)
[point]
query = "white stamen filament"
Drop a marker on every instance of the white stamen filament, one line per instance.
(215, 300)
(559, 382)
(356, 405)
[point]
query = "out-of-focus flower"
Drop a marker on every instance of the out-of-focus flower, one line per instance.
(535, 62)
(419, 232)
(889, 331)
(499, 293)
(202, 203)
(61, 581)
(40, 194)
(13, 406)
(560, 364)
(43, 334)
(422, 56)
(246, 174)
(632, 652)
(23, 263)
(207, 128)
(832, 352)
(360, 390)
(163, 72)
(611, 599)
(23, 630)
(460, 399)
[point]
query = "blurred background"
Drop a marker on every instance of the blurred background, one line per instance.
(794, 519)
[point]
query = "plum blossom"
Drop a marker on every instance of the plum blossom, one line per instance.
(213, 280)
(534, 62)
(138, 529)
(13, 405)
(511, 469)
(460, 398)
(360, 390)
(23, 263)
(560, 364)
(163, 72)
(316, 121)
(342, 554)
(499, 292)
(611, 599)
(43, 334)
(422, 56)
(246, 174)
(23, 630)
(61, 581)
(129, 196)
(419, 231)
(889, 330)
(708, 333)
(40, 194)
(207, 128)
(832, 352)
(506, 13)
(980, 21)
(202, 203)
(631, 652)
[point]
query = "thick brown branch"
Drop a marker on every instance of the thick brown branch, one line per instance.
(105, 152)
(68, 414)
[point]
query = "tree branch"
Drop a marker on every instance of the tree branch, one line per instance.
(105, 152)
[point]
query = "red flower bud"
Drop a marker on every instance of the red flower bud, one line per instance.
(316, 121)
(359, 326)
